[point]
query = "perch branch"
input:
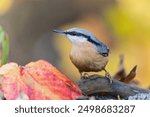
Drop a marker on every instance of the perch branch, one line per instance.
(96, 84)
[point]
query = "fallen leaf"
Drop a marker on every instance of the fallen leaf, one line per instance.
(37, 80)
(131, 75)
(121, 74)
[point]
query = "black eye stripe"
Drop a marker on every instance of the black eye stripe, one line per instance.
(73, 33)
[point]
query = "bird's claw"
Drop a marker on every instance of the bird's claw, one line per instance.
(107, 75)
(84, 76)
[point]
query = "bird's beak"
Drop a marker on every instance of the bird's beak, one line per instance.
(59, 31)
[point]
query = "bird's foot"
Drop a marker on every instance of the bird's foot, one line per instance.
(107, 75)
(84, 76)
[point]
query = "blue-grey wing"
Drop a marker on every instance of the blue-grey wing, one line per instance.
(101, 48)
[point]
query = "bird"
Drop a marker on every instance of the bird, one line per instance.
(88, 53)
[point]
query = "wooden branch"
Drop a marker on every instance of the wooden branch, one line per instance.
(96, 84)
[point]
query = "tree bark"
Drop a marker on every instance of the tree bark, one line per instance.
(100, 85)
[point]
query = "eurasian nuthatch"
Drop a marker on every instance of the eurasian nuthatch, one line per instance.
(88, 54)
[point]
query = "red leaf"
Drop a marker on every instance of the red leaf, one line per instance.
(37, 80)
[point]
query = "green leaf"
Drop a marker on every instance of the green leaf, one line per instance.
(4, 41)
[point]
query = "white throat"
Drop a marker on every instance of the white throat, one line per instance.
(76, 39)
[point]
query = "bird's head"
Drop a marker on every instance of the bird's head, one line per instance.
(76, 34)
(79, 35)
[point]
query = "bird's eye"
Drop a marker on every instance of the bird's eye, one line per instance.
(74, 34)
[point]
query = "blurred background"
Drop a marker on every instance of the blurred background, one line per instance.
(124, 25)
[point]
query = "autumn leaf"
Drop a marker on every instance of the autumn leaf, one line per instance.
(37, 80)
(121, 74)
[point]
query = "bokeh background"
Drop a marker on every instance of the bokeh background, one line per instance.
(124, 25)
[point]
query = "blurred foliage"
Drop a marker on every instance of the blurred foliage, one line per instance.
(4, 41)
(5, 6)
(130, 23)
